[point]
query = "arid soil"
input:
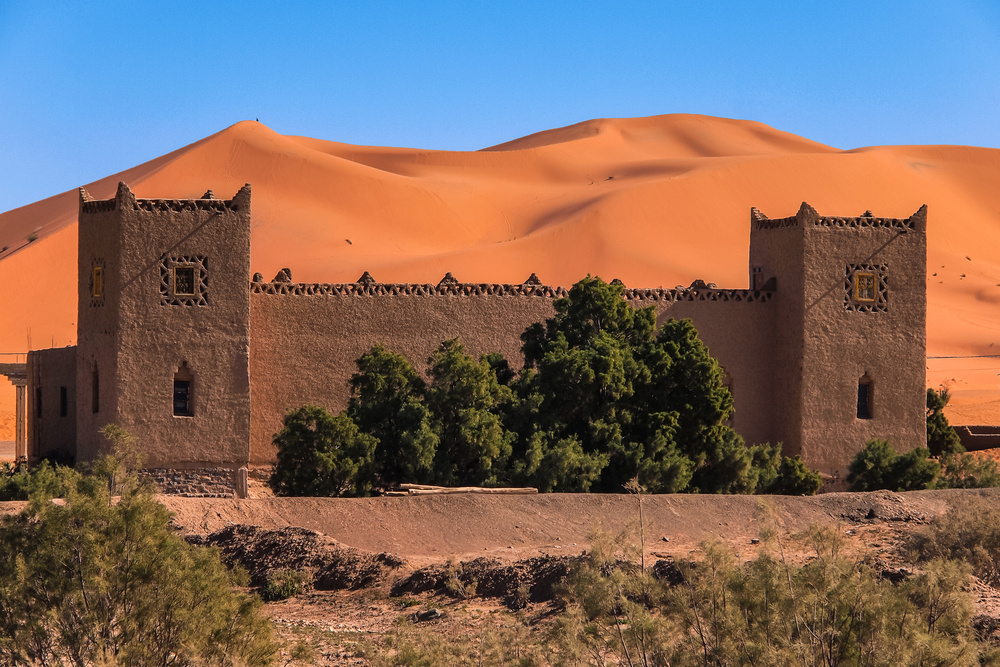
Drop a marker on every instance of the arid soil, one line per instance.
(467, 567)
(476, 568)
(431, 529)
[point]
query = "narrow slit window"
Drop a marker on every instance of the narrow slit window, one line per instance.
(865, 396)
(183, 392)
(96, 392)
(38, 402)
(63, 402)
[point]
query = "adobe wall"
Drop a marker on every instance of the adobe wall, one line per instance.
(51, 378)
(158, 328)
(977, 438)
(97, 333)
(845, 339)
(776, 249)
(739, 334)
(306, 337)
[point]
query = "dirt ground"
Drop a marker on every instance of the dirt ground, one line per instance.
(428, 529)
(377, 564)
(402, 551)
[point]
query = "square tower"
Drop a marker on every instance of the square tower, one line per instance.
(850, 344)
(163, 326)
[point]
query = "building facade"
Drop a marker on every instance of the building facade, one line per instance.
(199, 359)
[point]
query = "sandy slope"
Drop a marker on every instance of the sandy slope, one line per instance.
(653, 201)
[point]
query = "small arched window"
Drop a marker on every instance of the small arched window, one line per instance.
(183, 391)
(866, 391)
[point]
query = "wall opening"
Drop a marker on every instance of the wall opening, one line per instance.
(96, 391)
(98, 283)
(183, 391)
(865, 397)
(184, 281)
(38, 402)
(63, 402)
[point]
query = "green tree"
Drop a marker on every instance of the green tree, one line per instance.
(941, 437)
(879, 466)
(870, 468)
(915, 470)
(320, 454)
(553, 464)
(387, 403)
(636, 400)
(794, 479)
(92, 581)
(464, 399)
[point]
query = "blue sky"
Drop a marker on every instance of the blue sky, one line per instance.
(89, 89)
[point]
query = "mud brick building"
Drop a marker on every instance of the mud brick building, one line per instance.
(199, 359)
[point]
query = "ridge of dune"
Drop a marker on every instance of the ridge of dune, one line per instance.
(652, 201)
(685, 135)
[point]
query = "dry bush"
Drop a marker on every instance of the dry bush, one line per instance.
(834, 610)
(969, 531)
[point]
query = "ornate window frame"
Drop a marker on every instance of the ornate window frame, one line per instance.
(96, 285)
(866, 288)
(184, 281)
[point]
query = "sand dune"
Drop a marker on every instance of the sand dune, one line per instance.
(652, 201)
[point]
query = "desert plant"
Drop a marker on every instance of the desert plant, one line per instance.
(91, 581)
(453, 583)
(964, 470)
(463, 398)
(20, 483)
(282, 585)
(969, 531)
(834, 610)
(387, 402)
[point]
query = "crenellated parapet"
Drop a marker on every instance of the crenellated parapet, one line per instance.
(807, 215)
(366, 285)
(659, 294)
(125, 200)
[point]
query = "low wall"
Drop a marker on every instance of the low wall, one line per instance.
(51, 411)
(303, 345)
(305, 338)
(978, 438)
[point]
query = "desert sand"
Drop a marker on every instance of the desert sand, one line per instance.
(656, 201)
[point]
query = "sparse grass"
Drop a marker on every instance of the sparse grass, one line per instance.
(453, 583)
(282, 585)
(969, 531)
(506, 642)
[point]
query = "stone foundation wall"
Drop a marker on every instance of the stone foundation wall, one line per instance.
(195, 483)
